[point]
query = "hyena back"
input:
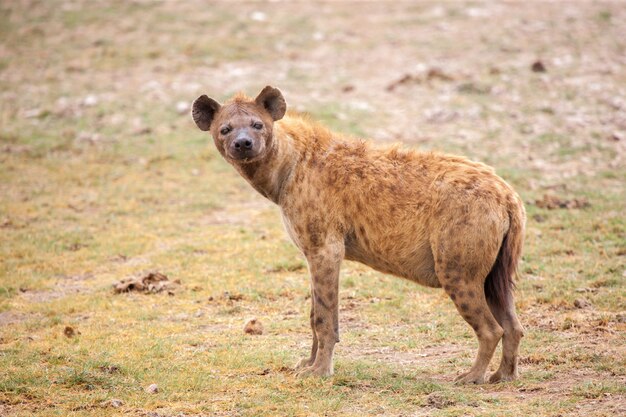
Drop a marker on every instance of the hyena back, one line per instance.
(439, 220)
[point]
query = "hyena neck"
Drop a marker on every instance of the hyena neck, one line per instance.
(270, 175)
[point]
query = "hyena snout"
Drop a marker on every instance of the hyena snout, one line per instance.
(243, 146)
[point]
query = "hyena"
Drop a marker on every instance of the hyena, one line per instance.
(442, 221)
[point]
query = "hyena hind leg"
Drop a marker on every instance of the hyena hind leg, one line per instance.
(471, 304)
(462, 275)
(513, 333)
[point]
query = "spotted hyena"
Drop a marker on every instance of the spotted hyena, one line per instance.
(439, 220)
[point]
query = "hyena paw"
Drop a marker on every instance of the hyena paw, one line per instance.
(303, 363)
(318, 371)
(470, 378)
(500, 376)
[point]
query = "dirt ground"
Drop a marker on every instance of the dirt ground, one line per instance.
(104, 177)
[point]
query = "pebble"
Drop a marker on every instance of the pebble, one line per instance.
(182, 107)
(581, 303)
(254, 327)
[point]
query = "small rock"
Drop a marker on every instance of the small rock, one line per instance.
(90, 101)
(69, 331)
(182, 107)
(254, 327)
(258, 16)
(538, 66)
(620, 318)
(581, 303)
(152, 389)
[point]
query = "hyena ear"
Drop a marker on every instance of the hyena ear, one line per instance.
(272, 100)
(203, 111)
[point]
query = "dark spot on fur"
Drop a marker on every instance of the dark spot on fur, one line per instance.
(472, 272)
(313, 232)
(461, 294)
(453, 264)
(464, 307)
(475, 326)
(319, 321)
(470, 294)
(447, 288)
(320, 301)
(453, 296)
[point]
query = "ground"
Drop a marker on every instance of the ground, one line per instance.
(103, 177)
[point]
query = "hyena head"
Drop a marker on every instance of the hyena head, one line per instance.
(241, 128)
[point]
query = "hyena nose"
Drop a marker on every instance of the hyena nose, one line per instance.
(242, 144)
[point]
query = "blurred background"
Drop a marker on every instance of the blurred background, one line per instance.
(104, 177)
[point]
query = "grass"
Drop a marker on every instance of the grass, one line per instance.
(96, 190)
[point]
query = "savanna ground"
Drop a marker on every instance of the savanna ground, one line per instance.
(103, 176)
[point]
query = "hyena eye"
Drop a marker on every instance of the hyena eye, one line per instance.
(225, 130)
(257, 125)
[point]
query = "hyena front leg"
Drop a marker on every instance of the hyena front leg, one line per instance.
(324, 264)
(308, 361)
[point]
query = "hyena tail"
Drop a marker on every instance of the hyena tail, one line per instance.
(500, 282)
